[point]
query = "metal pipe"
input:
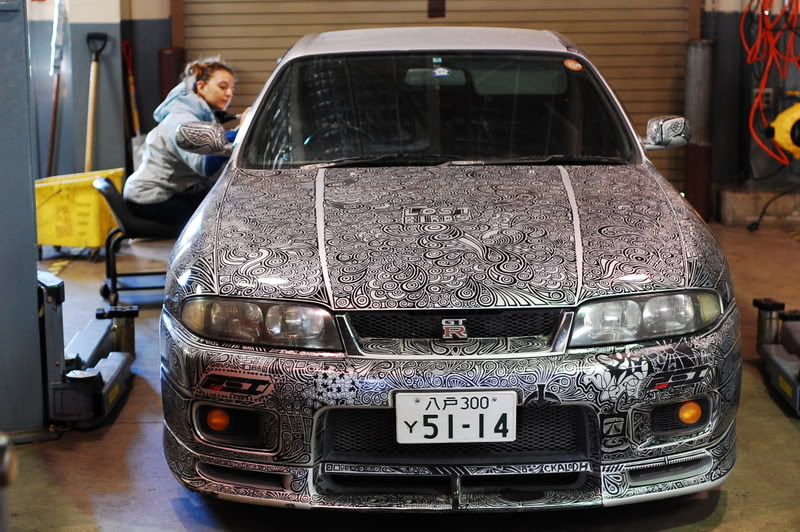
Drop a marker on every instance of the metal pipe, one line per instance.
(124, 334)
(51, 147)
(768, 324)
(768, 327)
(698, 113)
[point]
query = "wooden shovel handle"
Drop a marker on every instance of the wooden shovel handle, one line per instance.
(137, 126)
(88, 160)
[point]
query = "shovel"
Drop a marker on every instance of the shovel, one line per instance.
(137, 141)
(96, 42)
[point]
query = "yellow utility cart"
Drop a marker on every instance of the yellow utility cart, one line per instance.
(71, 213)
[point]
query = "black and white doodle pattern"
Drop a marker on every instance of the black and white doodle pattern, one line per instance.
(512, 243)
(267, 238)
(302, 386)
(631, 239)
(610, 484)
(508, 238)
(437, 347)
(668, 132)
(706, 265)
(449, 238)
(205, 138)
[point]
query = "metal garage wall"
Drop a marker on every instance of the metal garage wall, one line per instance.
(640, 46)
(146, 23)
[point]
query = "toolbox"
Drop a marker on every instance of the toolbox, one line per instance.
(71, 213)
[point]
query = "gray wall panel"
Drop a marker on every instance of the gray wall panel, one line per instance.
(21, 406)
(147, 38)
(110, 136)
(64, 160)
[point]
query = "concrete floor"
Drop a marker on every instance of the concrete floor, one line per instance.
(115, 477)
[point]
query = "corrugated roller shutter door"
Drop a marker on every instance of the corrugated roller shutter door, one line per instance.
(639, 46)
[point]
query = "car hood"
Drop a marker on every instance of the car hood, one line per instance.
(444, 237)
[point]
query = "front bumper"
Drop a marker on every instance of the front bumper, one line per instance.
(624, 461)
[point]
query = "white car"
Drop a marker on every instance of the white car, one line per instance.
(440, 273)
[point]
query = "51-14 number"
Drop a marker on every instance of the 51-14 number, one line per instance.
(428, 421)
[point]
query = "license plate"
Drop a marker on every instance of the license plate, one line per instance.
(456, 417)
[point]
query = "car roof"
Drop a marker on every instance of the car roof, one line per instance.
(429, 38)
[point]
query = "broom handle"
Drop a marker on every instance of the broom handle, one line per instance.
(51, 147)
(137, 127)
(88, 159)
(127, 56)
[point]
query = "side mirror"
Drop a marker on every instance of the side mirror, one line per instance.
(205, 138)
(667, 132)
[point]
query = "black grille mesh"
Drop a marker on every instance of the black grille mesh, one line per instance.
(367, 435)
(479, 324)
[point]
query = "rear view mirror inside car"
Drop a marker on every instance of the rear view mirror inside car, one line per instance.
(427, 77)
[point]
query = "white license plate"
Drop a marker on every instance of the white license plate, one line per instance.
(456, 417)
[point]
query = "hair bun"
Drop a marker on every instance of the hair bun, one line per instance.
(203, 69)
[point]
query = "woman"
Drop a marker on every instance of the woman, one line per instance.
(171, 182)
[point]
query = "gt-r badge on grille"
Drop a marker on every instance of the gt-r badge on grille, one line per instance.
(454, 329)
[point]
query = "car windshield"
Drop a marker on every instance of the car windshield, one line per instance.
(405, 108)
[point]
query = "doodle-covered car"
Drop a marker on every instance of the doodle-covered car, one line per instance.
(439, 272)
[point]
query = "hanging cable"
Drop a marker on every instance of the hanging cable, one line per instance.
(768, 39)
(772, 32)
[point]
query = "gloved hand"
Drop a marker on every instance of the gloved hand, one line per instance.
(213, 163)
(223, 116)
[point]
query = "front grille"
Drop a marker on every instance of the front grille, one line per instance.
(421, 485)
(518, 487)
(479, 323)
(521, 484)
(367, 436)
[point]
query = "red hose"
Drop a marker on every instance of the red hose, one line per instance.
(766, 48)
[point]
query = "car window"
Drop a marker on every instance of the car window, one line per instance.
(474, 106)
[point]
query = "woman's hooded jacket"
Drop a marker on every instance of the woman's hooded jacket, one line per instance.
(167, 169)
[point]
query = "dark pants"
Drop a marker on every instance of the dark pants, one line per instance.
(175, 211)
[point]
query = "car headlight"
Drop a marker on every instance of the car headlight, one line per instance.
(636, 318)
(270, 324)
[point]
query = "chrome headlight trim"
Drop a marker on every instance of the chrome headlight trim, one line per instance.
(636, 318)
(278, 324)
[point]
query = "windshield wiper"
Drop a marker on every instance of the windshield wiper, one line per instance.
(440, 159)
(393, 158)
(559, 159)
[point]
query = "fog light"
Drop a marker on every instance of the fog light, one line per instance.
(690, 412)
(245, 428)
(218, 419)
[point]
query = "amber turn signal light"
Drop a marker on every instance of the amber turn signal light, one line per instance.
(690, 412)
(218, 419)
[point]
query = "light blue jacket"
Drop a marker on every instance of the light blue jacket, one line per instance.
(166, 168)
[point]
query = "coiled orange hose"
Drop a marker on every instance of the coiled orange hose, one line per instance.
(765, 48)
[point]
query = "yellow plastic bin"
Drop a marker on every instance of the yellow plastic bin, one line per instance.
(70, 212)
